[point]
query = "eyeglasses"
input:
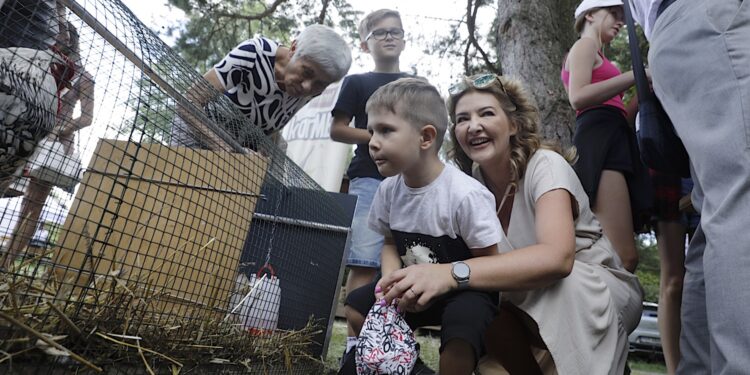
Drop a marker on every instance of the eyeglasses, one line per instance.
(481, 81)
(382, 34)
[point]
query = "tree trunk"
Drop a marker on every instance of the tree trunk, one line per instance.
(533, 37)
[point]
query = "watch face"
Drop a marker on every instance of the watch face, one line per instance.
(461, 270)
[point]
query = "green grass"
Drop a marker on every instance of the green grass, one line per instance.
(641, 365)
(336, 345)
(430, 344)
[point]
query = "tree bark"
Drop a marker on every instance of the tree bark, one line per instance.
(323, 12)
(533, 37)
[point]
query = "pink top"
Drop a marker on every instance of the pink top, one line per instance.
(604, 72)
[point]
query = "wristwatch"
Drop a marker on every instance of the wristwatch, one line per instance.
(461, 272)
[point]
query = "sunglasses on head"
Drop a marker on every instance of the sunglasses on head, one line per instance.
(481, 81)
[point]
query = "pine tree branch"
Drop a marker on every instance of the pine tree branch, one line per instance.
(252, 17)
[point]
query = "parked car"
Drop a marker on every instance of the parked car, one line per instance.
(645, 338)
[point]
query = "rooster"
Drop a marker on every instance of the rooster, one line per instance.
(28, 105)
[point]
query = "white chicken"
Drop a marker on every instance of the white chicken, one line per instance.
(28, 104)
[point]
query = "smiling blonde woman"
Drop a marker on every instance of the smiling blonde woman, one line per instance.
(564, 288)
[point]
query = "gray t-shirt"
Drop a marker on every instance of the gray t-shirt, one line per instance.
(437, 223)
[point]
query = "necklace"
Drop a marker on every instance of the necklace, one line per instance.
(502, 201)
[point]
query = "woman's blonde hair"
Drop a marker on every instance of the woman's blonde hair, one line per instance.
(522, 112)
(581, 20)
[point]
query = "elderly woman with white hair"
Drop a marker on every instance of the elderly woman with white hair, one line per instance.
(267, 82)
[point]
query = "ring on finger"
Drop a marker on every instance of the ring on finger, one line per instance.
(413, 292)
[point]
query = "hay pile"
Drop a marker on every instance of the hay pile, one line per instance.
(114, 320)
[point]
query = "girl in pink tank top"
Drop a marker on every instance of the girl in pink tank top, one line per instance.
(601, 73)
(609, 163)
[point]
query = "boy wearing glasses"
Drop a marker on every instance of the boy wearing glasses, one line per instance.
(382, 36)
(429, 213)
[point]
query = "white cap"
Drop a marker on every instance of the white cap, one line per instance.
(591, 4)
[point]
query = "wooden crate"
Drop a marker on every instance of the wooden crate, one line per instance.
(169, 219)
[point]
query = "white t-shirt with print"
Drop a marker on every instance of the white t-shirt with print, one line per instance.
(437, 223)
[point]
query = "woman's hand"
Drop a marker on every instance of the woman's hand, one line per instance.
(417, 286)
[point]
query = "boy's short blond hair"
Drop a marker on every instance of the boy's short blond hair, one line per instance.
(367, 23)
(414, 100)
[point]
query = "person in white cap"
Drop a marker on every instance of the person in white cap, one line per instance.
(700, 62)
(609, 164)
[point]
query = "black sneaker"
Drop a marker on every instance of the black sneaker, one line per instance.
(421, 369)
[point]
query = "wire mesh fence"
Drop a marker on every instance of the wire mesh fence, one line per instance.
(126, 252)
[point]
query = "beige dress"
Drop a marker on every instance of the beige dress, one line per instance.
(584, 319)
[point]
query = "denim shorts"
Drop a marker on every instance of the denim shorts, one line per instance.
(366, 243)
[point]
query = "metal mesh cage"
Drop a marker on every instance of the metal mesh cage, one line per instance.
(123, 250)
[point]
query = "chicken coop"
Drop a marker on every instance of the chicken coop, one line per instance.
(160, 258)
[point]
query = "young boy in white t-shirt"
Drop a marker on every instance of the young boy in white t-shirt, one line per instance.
(428, 212)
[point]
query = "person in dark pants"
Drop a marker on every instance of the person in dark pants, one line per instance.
(429, 213)
(382, 36)
(565, 293)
